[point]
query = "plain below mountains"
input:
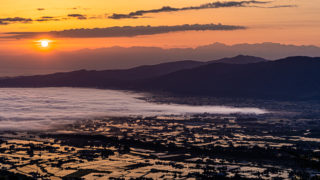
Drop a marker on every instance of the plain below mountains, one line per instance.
(292, 78)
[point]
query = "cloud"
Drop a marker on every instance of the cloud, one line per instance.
(125, 31)
(16, 19)
(78, 16)
(47, 18)
(277, 6)
(6, 21)
(218, 4)
(3, 23)
(77, 8)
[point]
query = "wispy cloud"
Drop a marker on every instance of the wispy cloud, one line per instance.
(78, 16)
(276, 6)
(3, 23)
(6, 21)
(218, 4)
(47, 18)
(125, 31)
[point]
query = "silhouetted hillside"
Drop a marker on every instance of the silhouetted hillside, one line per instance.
(292, 78)
(107, 78)
(148, 71)
(241, 59)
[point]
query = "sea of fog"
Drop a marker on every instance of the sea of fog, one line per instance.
(42, 108)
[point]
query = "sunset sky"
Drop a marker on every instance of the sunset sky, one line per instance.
(282, 21)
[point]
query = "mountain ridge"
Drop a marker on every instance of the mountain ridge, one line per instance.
(289, 78)
(128, 57)
(292, 78)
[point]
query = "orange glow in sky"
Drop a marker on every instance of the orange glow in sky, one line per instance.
(282, 21)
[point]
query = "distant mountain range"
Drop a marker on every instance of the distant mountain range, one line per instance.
(240, 60)
(124, 58)
(292, 78)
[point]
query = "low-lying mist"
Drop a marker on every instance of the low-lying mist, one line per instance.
(43, 108)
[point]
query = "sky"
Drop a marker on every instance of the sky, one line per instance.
(80, 24)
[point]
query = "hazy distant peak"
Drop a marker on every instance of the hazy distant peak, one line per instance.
(299, 59)
(240, 59)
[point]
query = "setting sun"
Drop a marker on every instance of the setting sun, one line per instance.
(44, 43)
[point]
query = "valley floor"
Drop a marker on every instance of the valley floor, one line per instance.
(198, 146)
